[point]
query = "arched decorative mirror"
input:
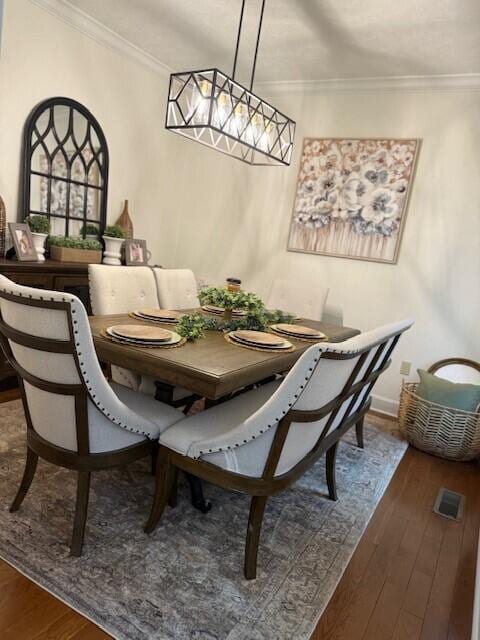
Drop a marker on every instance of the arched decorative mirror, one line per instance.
(65, 167)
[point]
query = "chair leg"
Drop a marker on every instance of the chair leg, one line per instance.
(255, 519)
(332, 486)
(359, 430)
(163, 487)
(28, 474)
(81, 508)
(154, 458)
(172, 498)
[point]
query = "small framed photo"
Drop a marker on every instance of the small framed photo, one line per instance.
(23, 241)
(136, 252)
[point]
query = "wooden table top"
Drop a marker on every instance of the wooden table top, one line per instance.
(210, 366)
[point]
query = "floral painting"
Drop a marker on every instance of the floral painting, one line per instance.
(352, 197)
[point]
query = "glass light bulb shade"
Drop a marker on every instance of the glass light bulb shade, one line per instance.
(213, 109)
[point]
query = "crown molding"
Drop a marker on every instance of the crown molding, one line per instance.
(454, 82)
(92, 28)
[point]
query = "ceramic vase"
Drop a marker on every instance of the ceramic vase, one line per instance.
(39, 244)
(113, 248)
(125, 222)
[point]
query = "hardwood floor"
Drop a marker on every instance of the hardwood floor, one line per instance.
(411, 577)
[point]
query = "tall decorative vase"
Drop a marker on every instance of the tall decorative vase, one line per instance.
(39, 244)
(113, 247)
(125, 222)
(3, 227)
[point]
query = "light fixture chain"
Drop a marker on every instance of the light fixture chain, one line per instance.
(238, 40)
(256, 46)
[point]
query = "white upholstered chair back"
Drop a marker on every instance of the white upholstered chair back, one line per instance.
(317, 383)
(297, 299)
(61, 319)
(121, 289)
(177, 288)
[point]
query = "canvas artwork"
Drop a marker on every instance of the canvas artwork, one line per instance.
(352, 195)
(77, 192)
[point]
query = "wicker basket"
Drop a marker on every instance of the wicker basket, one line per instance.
(443, 431)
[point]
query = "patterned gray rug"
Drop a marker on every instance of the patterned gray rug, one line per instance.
(185, 580)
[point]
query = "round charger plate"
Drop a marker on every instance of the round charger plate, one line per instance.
(258, 338)
(137, 316)
(210, 308)
(286, 349)
(299, 331)
(272, 347)
(158, 314)
(176, 341)
(140, 332)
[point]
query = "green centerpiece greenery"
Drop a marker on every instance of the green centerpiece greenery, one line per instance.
(114, 231)
(38, 224)
(257, 317)
(74, 243)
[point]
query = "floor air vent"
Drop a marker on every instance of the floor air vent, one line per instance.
(449, 504)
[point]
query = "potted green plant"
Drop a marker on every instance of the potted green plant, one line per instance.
(90, 231)
(66, 249)
(40, 228)
(113, 237)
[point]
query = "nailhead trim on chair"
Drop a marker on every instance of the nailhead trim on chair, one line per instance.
(275, 421)
(92, 396)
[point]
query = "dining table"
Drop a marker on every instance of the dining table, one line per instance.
(210, 367)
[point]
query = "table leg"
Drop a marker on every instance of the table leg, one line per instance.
(196, 491)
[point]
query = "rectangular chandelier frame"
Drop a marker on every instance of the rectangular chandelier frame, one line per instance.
(213, 109)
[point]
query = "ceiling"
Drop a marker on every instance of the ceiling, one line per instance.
(303, 40)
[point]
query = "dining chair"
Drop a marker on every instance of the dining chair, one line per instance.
(177, 288)
(298, 299)
(263, 440)
(75, 419)
(121, 290)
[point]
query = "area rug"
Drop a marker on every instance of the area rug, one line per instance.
(185, 581)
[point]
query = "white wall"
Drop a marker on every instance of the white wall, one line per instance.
(42, 57)
(236, 221)
(200, 209)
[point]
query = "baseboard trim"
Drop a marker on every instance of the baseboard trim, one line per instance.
(385, 406)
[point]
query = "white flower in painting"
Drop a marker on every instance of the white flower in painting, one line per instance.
(381, 204)
(375, 175)
(370, 146)
(382, 158)
(354, 192)
(316, 146)
(308, 187)
(349, 147)
(403, 153)
(400, 186)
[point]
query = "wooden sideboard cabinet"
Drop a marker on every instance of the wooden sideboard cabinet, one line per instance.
(71, 277)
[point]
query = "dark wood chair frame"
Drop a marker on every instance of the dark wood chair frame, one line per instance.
(81, 460)
(260, 489)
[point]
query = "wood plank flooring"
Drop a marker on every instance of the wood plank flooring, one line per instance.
(411, 577)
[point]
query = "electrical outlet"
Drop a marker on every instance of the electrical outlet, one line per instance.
(405, 368)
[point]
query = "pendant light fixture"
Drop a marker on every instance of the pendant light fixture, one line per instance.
(214, 109)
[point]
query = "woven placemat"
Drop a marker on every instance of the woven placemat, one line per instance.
(155, 321)
(262, 349)
(180, 343)
(309, 340)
